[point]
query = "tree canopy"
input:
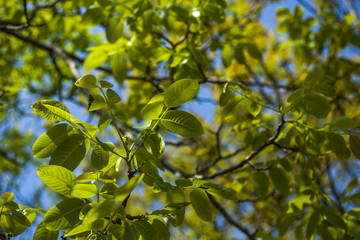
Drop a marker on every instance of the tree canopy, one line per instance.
(180, 119)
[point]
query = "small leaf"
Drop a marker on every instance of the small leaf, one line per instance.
(106, 84)
(41, 233)
(63, 215)
(108, 190)
(112, 96)
(83, 190)
(96, 101)
(153, 108)
(254, 109)
(201, 204)
(280, 180)
(94, 60)
(119, 66)
(226, 55)
(261, 184)
(70, 152)
(182, 123)
(47, 143)
(104, 122)
(87, 81)
(58, 178)
(355, 145)
(122, 192)
(180, 92)
(99, 157)
(8, 197)
(155, 144)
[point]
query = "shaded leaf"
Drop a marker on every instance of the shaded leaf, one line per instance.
(201, 204)
(182, 123)
(180, 92)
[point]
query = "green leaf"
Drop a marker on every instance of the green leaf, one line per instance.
(112, 96)
(312, 224)
(8, 197)
(354, 142)
(70, 152)
(99, 210)
(106, 84)
(239, 54)
(96, 225)
(226, 55)
(317, 105)
(182, 123)
(180, 92)
(155, 144)
(83, 190)
(41, 233)
(342, 122)
(99, 157)
(338, 146)
(94, 60)
(117, 231)
(108, 190)
(58, 178)
(161, 186)
(122, 192)
(96, 101)
(280, 180)
(261, 184)
(254, 108)
(174, 196)
(104, 122)
(145, 229)
(233, 107)
(63, 215)
(52, 110)
(153, 108)
(201, 204)
(47, 143)
(142, 156)
(119, 66)
(336, 220)
(14, 224)
(253, 51)
(114, 28)
(87, 81)
(160, 227)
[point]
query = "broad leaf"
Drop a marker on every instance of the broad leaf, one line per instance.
(354, 142)
(201, 204)
(41, 233)
(180, 92)
(338, 146)
(58, 178)
(155, 144)
(280, 180)
(182, 123)
(317, 105)
(94, 60)
(122, 192)
(47, 143)
(99, 210)
(117, 231)
(70, 152)
(174, 196)
(261, 184)
(96, 225)
(145, 229)
(226, 55)
(99, 157)
(52, 110)
(112, 96)
(153, 108)
(83, 190)
(63, 215)
(119, 66)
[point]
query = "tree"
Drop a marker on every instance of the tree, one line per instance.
(275, 157)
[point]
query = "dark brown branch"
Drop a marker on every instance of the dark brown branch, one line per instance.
(254, 153)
